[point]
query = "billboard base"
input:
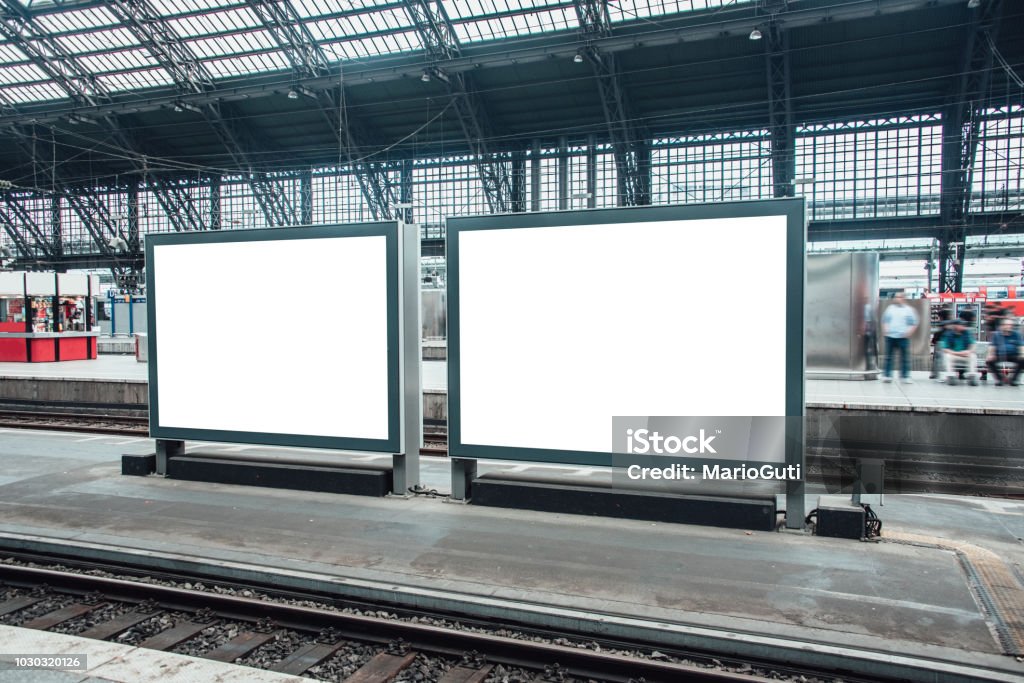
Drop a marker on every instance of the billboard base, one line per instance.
(756, 513)
(360, 482)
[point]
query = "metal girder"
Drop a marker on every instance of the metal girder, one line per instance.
(163, 43)
(688, 27)
(439, 39)
(276, 207)
(50, 56)
(24, 218)
(961, 129)
(284, 23)
(18, 26)
(96, 222)
(629, 146)
(15, 234)
(781, 129)
(309, 61)
(192, 78)
(376, 186)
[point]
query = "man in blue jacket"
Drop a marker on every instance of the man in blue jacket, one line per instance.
(957, 346)
(1005, 347)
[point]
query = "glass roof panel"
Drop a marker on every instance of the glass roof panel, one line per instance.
(318, 8)
(170, 8)
(359, 25)
(248, 64)
(631, 10)
(9, 54)
(218, 22)
(238, 43)
(133, 80)
(97, 40)
(22, 73)
(124, 60)
(489, 19)
(76, 20)
(34, 93)
(377, 45)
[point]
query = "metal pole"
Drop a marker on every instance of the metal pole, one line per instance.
(406, 463)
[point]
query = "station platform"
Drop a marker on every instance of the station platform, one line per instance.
(114, 377)
(945, 584)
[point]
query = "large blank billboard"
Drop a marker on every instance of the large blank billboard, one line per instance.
(558, 322)
(281, 336)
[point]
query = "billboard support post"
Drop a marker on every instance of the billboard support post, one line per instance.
(406, 463)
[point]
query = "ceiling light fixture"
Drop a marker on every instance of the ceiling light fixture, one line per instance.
(425, 77)
(973, 4)
(293, 94)
(755, 34)
(578, 58)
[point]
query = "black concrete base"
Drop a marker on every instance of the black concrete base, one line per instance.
(282, 476)
(138, 465)
(756, 513)
(839, 518)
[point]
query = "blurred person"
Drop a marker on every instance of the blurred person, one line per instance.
(1005, 347)
(898, 325)
(957, 346)
(940, 329)
(969, 318)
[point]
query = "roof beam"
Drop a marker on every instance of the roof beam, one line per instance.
(163, 43)
(17, 236)
(284, 23)
(438, 36)
(49, 56)
(192, 79)
(694, 26)
(961, 130)
(308, 60)
(24, 218)
(781, 129)
(632, 155)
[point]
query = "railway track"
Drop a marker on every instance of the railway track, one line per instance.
(826, 464)
(298, 637)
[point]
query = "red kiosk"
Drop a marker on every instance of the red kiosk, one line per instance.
(47, 317)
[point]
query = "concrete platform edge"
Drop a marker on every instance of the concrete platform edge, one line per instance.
(871, 656)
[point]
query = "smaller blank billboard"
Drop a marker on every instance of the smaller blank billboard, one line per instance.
(279, 336)
(559, 322)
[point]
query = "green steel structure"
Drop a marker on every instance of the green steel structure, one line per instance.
(120, 118)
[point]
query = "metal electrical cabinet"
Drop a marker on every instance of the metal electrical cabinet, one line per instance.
(842, 338)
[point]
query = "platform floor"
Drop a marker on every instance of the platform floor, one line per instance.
(909, 596)
(923, 395)
(117, 663)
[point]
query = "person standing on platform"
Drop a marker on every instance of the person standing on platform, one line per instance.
(898, 325)
(1005, 347)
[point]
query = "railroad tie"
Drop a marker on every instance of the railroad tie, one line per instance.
(59, 616)
(383, 668)
(18, 603)
(116, 626)
(305, 658)
(239, 646)
(465, 674)
(173, 636)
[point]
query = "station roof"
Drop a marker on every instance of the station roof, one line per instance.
(98, 86)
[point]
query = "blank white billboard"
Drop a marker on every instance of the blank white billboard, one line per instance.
(562, 327)
(271, 337)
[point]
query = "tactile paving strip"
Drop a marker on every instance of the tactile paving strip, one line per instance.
(992, 581)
